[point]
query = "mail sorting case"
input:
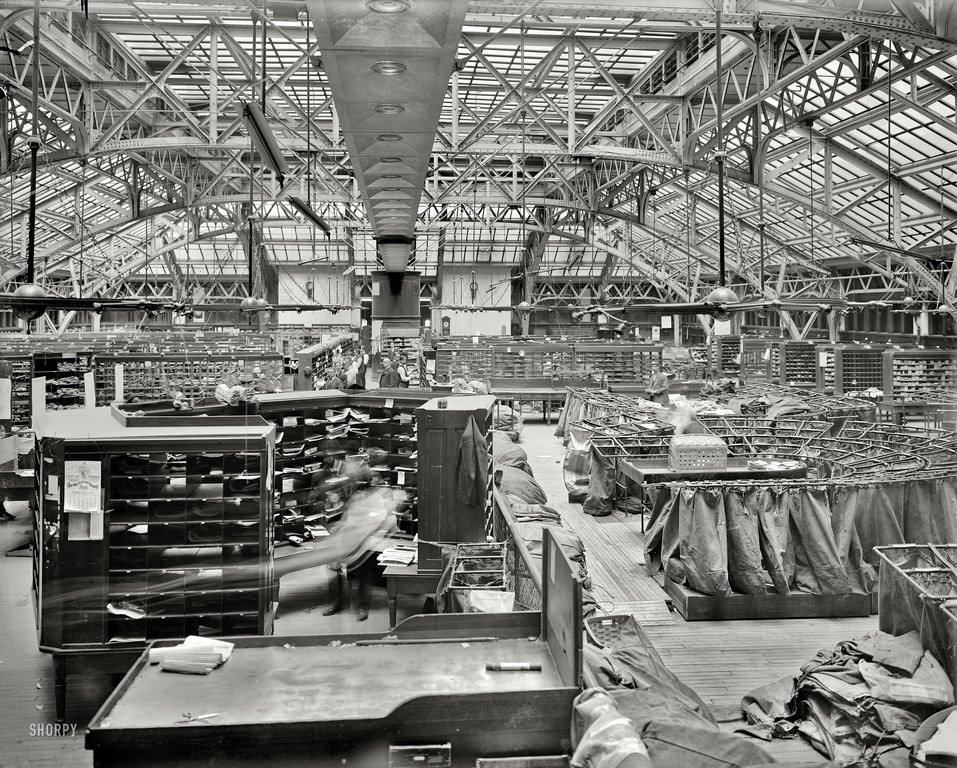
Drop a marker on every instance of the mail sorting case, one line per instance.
(153, 532)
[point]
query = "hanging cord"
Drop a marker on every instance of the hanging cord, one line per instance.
(82, 238)
(689, 203)
(810, 161)
(262, 98)
(262, 186)
(890, 128)
(309, 154)
(522, 107)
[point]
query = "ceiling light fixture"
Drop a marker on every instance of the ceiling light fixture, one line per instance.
(389, 67)
(307, 211)
(388, 137)
(387, 6)
(390, 176)
(389, 109)
(265, 140)
(390, 159)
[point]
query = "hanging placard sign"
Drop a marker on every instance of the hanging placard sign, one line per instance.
(119, 378)
(89, 390)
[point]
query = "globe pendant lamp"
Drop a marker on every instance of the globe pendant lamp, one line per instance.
(30, 291)
(722, 295)
(524, 311)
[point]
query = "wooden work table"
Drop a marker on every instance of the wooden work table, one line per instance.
(657, 471)
(328, 701)
(408, 580)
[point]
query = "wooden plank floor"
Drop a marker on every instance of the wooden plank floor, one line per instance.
(721, 660)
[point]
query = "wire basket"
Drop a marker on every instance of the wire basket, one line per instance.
(697, 452)
(607, 631)
(936, 583)
(947, 553)
(907, 557)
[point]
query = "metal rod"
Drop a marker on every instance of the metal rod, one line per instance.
(719, 144)
(262, 102)
(34, 145)
(252, 155)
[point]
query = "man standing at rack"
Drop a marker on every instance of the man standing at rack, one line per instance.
(657, 388)
(362, 366)
(389, 378)
(402, 369)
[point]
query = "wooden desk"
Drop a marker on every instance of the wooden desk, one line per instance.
(327, 701)
(531, 390)
(657, 471)
(408, 580)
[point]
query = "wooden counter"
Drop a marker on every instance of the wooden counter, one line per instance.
(327, 701)
(657, 471)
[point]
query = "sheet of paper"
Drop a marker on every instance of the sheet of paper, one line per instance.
(119, 378)
(8, 449)
(722, 327)
(6, 392)
(53, 487)
(89, 390)
(81, 486)
(85, 526)
(38, 396)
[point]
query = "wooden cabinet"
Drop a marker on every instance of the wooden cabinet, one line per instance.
(913, 375)
(444, 518)
(64, 373)
(148, 532)
(19, 369)
(313, 362)
(320, 433)
(857, 367)
(151, 376)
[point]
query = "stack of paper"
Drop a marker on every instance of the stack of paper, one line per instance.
(194, 656)
(400, 554)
